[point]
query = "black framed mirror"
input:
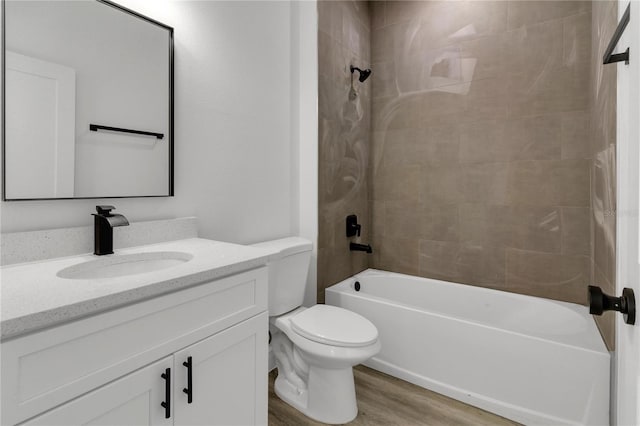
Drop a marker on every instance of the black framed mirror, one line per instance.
(87, 101)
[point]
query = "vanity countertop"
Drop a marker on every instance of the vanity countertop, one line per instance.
(33, 297)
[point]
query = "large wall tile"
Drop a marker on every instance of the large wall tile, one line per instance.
(377, 210)
(529, 138)
(576, 136)
(440, 185)
(436, 145)
(439, 145)
(559, 183)
(402, 11)
(378, 18)
(577, 40)
(602, 239)
(463, 263)
(553, 276)
(394, 42)
(535, 48)
(486, 100)
(524, 13)
(483, 183)
(395, 113)
(441, 107)
(449, 22)
(409, 146)
(393, 184)
(482, 265)
(487, 105)
(550, 90)
(344, 138)
(414, 221)
(398, 254)
(575, 221)
(535, 138)
(383, 81)
(485, 57)
(523, 227)
(439, 260)
(439, 222)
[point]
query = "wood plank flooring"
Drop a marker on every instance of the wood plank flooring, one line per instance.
(385, 400)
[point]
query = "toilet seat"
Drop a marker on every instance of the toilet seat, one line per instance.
(334, 326)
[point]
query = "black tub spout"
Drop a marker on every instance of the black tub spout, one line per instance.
(360, 247)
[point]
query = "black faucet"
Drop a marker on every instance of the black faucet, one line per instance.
(360, 247)
(103, 224)
(353, 229)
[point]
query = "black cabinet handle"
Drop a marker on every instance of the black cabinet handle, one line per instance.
(189, 389)
(166, 404)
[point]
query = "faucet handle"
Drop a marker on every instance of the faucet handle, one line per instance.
(104, 210)
(353, 227)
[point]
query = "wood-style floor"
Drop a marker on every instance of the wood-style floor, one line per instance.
(385, 400)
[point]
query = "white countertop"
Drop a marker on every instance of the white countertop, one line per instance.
(33, 297)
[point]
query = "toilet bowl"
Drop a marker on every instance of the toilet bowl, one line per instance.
(315, 352)
(315, 348)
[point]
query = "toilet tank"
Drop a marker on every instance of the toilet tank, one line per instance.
(287, 273)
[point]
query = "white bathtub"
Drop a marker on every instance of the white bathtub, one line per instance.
(533, 360)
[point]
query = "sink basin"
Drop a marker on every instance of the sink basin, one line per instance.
(122, 265)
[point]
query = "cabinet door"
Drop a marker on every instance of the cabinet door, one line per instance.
(132, 400)
(229, 377)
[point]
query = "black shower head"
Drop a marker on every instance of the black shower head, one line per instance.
(364, 74)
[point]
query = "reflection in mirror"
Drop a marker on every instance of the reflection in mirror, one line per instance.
(72, 65)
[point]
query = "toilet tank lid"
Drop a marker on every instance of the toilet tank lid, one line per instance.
(287, 246)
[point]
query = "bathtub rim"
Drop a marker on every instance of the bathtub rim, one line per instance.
(596, 346)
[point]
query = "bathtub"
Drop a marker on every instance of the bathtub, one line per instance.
(532, 360)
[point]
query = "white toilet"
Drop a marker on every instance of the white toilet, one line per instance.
(315, 348)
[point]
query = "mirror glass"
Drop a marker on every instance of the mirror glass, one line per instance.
(88, 109)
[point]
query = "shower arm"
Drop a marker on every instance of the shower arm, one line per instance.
(364, 74)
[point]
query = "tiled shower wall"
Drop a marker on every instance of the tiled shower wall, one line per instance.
(603, 150)
(492, 150)
(343, 39)
(480, 165)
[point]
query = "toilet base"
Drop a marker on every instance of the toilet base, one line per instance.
(330, 396)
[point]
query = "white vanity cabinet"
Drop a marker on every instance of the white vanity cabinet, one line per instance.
(229, 380)
(107, 369)
(131, 400)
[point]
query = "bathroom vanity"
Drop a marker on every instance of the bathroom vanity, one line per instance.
(87, 342)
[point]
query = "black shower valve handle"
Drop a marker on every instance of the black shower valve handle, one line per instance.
(353, 227)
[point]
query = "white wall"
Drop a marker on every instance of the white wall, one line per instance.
(233, 141)
(304, 61)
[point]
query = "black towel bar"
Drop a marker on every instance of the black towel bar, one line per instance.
(609, 56)
(96, 127)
